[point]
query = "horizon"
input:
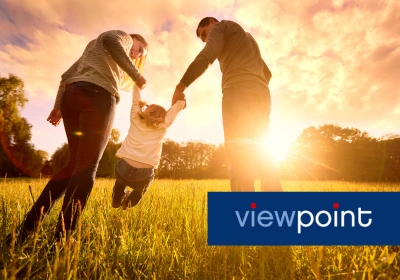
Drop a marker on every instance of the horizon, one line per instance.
(332, 62)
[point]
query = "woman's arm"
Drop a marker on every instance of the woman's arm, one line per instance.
(64, 77)
(135, 101)
(114, 43)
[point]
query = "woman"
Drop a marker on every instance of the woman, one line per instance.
(86, 100)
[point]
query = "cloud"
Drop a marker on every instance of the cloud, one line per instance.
(332, 61)
(339, 60)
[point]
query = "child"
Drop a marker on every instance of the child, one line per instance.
(140, 152)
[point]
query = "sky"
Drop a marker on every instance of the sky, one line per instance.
(331, 61)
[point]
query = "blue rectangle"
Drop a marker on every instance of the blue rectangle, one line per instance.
(312, 218)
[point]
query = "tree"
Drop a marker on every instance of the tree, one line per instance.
(391, 165)
(60, 157)
(192, 160)
(17, 155)
(197, 156)
(330, 152)
(170, 162)
(217, 167)
(47, 169)
(108, 160)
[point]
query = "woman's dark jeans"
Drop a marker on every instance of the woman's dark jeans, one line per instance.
(88, 114)
(245, 112)
(139, 179)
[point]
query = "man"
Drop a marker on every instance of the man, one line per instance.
(246, 101)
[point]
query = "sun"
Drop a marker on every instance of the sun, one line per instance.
(282, 134)
(277, 147)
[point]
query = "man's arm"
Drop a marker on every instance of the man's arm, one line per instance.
(178, 94)
(195, 70)
(214, 45)
(173, 112)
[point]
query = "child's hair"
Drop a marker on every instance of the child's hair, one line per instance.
(153, 114)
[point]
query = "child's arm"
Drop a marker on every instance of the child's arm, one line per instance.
(173, 112)
(135, 100)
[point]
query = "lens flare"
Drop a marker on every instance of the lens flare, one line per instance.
(277, 148)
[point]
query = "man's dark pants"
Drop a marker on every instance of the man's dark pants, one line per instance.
(245, 112)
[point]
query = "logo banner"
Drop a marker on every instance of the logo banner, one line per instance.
(304, 218)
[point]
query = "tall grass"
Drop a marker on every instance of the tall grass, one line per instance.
(165, 237)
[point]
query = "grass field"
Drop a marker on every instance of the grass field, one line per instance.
(165, 237)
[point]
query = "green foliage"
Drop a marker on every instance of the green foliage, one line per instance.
(192, 160)
(106, 164)
(165, 237)
(330, 152)
(47, 169)
(60, 157)
(108, 160)
(17, 155)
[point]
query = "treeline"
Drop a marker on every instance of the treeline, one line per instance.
(186, 160)
(327, 152)
(330, 152)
